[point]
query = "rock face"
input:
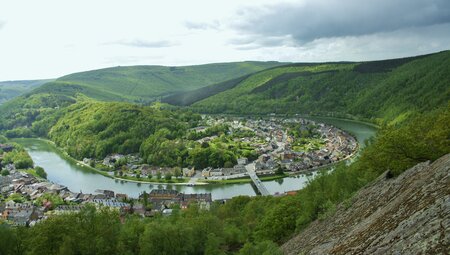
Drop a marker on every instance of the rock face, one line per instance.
(409, 214)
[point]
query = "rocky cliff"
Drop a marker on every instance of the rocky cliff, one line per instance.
(409, 214)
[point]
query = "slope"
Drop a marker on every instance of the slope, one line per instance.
(147, 83)
(12, 89)
(405, 215)
(378, 90)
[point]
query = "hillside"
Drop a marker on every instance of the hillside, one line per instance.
(405, 215)
(140, 84)
(388, 210)
(377, 90)
(12, 89)
(147, 83)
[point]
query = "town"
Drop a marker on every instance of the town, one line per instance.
(293, 145)
(29, 200)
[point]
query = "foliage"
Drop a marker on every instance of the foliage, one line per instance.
(12, 89)
(242, 225)
(19, 157)
(16, 197)
(390, 92)
(41, 172)
(92, 129)
(32, 115)
(147, 83)
(398, 147)
(53, 199)
(4, 172)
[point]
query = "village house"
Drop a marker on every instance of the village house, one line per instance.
(111, 203)
(216, 172)
(21, 214)
(206, 172)
(111, 160)
(66, 209)
(188, 172)
(242, 161)
(121, 197)
(108, 193)
(162, 199)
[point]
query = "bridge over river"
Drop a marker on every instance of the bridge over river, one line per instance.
(258, 184)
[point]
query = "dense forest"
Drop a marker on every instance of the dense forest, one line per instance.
(12, 89)
(409, 98)
(376, 91)
(243, 225)
(161, 135)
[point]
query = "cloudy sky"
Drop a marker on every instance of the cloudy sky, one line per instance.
(51, 38)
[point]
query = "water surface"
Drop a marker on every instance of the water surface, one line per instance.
(60, 169)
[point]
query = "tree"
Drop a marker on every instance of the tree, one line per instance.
(261, 248)
(168, 176)
(145, 198)
(41, 172)
(228, 164)
(177, 172)
(158, 175)
(279, 171)
(5, 172)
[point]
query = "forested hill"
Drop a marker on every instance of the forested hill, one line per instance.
(147, 83)
(378, 90)
(12, 89)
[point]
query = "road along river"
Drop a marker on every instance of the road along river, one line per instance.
(65, 171)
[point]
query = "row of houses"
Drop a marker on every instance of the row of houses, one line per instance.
(162, 199)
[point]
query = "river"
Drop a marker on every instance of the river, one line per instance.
(64, 171)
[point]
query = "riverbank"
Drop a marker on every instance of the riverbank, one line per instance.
(247, 179)
(67, 157)
(304, 116)
(182, 181)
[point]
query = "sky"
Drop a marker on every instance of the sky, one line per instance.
(51, 38)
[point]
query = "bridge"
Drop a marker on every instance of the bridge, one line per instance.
(258, 184)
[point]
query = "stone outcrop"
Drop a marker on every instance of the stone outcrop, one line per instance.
(409, 214)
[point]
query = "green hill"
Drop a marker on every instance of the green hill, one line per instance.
(12, 89)
(147, 83)
(140, 84)
(377, 90)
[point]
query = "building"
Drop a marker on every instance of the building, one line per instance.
(188, 172)
(242, 161)
(206, 172)
(162, 194)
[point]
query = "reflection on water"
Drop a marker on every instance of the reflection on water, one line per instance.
(80, 179)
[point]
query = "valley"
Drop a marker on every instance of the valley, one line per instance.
(261, 127)
(61, 169)
(69, 151)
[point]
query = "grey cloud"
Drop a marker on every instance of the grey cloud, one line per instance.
(311, 20)
(202, 25)
(252, 42)
(130, 60)
(145, 44)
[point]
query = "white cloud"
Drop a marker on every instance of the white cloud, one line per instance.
(144, 43)
(52, 38)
